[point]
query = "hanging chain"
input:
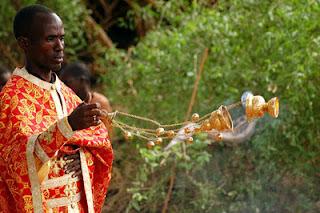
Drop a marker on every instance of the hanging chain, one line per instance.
(163, 131)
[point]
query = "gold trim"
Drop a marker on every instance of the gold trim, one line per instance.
(86, 181)
(56, 100)
(59, 181)
(40, 152)
(37, 81)
(65, 128)
(32, 172)
(44, 171)
(64, 105)
(63, 201)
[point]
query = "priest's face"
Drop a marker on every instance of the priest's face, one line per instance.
(46, 49)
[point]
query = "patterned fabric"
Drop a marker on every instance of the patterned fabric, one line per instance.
(34, 134)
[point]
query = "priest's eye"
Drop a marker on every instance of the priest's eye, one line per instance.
(50, 38)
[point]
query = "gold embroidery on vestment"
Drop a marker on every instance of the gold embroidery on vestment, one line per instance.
(34, 180)
(59, 181)
(63, 201)
(86, 181)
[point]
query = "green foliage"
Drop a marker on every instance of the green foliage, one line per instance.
(6, 20)
(269, 47)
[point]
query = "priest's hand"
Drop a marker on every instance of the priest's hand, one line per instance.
(73, 164)
(84, 116)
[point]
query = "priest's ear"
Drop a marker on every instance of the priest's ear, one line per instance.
(23, 42)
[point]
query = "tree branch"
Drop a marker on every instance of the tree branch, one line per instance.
(101, 34)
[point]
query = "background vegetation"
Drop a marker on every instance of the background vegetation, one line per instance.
(269, 47)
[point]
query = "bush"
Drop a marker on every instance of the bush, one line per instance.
(271, 48)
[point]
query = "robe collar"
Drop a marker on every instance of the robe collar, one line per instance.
(22, 72)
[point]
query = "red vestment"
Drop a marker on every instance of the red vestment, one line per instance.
(34, 133)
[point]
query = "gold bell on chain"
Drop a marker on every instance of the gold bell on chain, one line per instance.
(159, 131)
(187, 130)
(195, 117)
(256, 106)
(170, 133)
(128, 135)
(189, 140)
(158, 141)
(150, 144)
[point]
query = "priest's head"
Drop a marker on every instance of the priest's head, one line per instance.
(40, 33)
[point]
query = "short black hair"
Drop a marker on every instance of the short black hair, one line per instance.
(76, 70)
(24, 19)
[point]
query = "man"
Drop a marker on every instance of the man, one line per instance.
(77, 77)
(42, 122)
(5, 75)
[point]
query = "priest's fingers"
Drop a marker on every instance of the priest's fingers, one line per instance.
(77, 119)
(92, 121)
(93, 112)
(72, 156)
(72, 167)
(77, 174)
(72, 163)
(90, 106)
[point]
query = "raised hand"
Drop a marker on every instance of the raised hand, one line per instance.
(84, 116)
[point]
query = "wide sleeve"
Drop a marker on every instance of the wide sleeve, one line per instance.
(20, 135)
(49, 142)
(24, 139)
(17, 138)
